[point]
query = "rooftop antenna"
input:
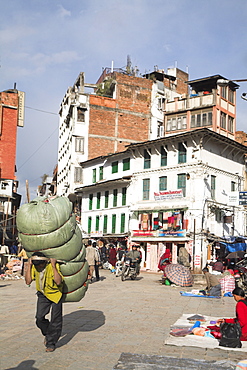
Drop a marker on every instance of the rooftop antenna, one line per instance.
(128, 67)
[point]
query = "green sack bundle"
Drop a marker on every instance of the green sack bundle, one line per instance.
(47, 225)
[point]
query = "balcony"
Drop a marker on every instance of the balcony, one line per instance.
(189, 102)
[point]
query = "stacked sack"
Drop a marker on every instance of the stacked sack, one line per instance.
(47, 225)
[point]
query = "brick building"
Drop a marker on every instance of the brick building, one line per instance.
(122, 109)
(11, 116)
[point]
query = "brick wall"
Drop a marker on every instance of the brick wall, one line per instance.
(117, 122)
(9, 118)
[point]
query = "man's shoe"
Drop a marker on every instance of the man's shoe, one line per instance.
(50, 349)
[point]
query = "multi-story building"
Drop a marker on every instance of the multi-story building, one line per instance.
(208, 104)
(167, 193)
(11, 116)
(122, 109)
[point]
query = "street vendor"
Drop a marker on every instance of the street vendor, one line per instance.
(213, 287)
(241, 312)
(49, 284)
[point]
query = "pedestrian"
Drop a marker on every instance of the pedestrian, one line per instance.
(112, 255)
(24, 259)
(97, 263)
(213, 284)
(241, 312)
(49, 285)
(92, 257)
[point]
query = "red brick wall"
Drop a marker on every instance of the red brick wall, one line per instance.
(126, 117)
(9, 117)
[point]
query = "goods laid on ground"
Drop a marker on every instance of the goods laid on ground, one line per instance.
(47, 225)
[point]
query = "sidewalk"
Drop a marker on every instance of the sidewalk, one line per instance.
(115, 317)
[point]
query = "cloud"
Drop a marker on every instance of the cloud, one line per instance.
(62, 12)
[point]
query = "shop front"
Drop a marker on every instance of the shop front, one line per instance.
(158, 231)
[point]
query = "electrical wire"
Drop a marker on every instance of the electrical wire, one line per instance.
(37, 149)
(40, 110)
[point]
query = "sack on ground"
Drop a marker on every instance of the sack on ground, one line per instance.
(230, 335)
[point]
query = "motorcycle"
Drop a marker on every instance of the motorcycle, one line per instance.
(241, 274)
(129, 269)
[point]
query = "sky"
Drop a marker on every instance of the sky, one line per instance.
(45, 44)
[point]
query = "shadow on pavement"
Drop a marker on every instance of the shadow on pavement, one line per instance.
(25, 365)
(82, 320)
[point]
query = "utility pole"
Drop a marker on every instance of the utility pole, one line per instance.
(27, 191)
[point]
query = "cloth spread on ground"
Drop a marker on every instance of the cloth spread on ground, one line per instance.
(196, 340)
(190, 294)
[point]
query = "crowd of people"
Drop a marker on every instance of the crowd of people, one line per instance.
(109, 256)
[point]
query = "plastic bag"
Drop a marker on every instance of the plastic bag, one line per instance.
(230, 335)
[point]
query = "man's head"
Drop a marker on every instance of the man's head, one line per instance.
(39, 260)
(205, 269)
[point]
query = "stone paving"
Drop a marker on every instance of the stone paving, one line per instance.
(115, 317)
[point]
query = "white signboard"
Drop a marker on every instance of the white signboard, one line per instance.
(233, 198)
(168, 194)
(21, 105)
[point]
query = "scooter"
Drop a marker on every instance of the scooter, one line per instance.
(129, 269)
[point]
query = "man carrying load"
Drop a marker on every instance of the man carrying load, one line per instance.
(49, 285)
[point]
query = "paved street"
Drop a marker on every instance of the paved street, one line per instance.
(115, 317)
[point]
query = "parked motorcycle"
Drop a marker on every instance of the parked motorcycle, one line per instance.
(240, 273)
(129, 269)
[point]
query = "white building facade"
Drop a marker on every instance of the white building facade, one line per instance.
(167, 193)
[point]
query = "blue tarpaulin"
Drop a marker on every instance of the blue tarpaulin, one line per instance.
(234, 247)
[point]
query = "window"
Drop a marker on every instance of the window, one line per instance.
(78, 174)
(115, 198)
(182, 183)
(182, 152)
(224, 92)
(114, 167)
(98, 200)
(230, 123)
(163, 183)
(97, 223)
(176, 123)
(147, 159)
(146, 189)
(126, 164)
(106, 199)
(201, 119)
(90, 202)
(79, 144)
(160, 129)
(80, 114)
(233, 186)
(94, 175)
(223, 120)
(101, 173)
(113, 225)
(124, 190)
(163, 156)
(89, 225)
(105, 224)
(231, 96)
(122, 225)
(213, 186)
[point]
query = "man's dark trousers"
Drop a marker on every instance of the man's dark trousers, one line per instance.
(50, 329)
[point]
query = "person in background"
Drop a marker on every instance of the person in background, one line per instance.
(135, 255)
(97, 263)
(24, 259)
(241, 312)
(13, 249)
(218, 267)
(91, 257)
(213, 287)
(112, 255)
(49, 286)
